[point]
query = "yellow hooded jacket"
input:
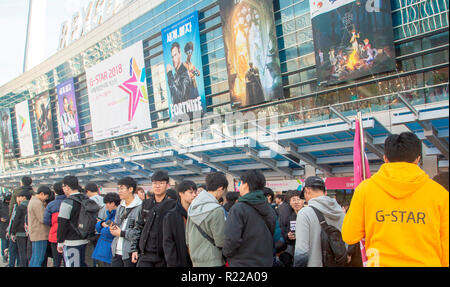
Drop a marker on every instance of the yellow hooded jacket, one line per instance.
(403, 216)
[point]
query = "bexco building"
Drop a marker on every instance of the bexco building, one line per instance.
(196, 86)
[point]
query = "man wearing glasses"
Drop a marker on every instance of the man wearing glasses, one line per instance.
(147, 245)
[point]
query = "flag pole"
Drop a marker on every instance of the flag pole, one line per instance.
(364, 174)
(361, 137)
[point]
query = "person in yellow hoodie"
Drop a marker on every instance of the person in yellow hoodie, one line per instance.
(400, 211)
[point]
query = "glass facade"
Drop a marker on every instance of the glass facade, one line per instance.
(421, 33)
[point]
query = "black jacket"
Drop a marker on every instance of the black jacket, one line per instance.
(18, 224)
(249, 233)
(68, 217)
(284, 211)
(174, 238)
(148, 230)
(285, 226)
(4, 213)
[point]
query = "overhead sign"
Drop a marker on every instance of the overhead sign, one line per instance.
(24, 129)
(68, 114)
(352, 39)
(184, 69)
(118, 98)
(7, 136)
(44, 122)
(251, 51)
(88, 18)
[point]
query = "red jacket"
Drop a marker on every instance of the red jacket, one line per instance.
(53, 229)
(51, 217)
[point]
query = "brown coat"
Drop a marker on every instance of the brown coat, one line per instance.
(37, 230)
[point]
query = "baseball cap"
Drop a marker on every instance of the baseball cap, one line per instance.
(312, 181)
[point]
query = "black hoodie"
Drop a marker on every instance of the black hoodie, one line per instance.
(249, 230)
(174, 237)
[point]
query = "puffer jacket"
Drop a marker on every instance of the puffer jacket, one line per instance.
(51, 217)
(102, 251)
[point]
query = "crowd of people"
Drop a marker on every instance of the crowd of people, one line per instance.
(400, 212)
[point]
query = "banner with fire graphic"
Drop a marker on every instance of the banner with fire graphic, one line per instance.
(251, 51)
(118, 97)
(352, 39)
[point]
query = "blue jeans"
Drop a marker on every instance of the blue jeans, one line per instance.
(4, 246)
(13, 254)
(39, 250)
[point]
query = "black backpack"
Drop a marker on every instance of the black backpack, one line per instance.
(334, 251)
(87, 219)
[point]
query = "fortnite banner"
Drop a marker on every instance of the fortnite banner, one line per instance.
(68, 114)
(118, 96)
(352, 39)
(44, 123)
(7, 133)
(251, 51)
(184, 69)
(24, 129)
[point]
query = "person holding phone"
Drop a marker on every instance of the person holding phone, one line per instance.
(126, 216)
(288, 226)
(102, 253)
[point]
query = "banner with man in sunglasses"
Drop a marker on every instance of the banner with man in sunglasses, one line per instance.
(183, 63)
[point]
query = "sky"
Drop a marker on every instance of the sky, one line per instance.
(13, 27)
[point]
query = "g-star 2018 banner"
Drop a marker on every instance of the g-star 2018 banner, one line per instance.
(184, 69)
(7, 133)
(118, 96)
(24, 129)
(251, 51)
(44, 123)
(352, 39)
(68, 114)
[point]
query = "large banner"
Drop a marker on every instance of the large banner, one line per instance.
(118, 96)
(184, 69)
(159, 86)
(352, 39)
(68, 114)
(7, 133)
(44, 122)
(251, 51)
(24, 129)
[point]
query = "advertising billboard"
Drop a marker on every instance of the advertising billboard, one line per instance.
(118, 96)
(251, 51)
(7, 133)
(159, 86)
(44, 123)
(352, 39)
(24, 129)
(68, 114)
(183, 67)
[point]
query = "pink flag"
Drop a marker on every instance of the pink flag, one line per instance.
(360, 173)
